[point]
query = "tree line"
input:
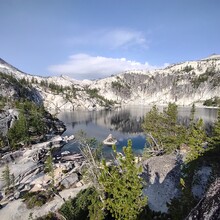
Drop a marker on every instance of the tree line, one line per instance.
(30, 122)
(165, 134)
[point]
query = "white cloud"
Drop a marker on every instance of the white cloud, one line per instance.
(83, 66)
(111, 38)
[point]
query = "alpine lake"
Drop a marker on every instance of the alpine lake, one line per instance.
(123, 123)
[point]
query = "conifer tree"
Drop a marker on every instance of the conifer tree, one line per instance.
(36, 121)
(196, 139)
(123, 186)
(192, 114)
(215, 139)
(50, 169)
(19, 131)
(174, 134)
(196, 136)
(163, 130)
(118, 187)
(152, 125)
(170, 115)
(6, 176)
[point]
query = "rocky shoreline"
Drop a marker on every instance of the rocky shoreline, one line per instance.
(27, 165)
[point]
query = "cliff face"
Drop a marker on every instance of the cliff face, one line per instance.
(184, 83)
(6, 120)
(209, 206)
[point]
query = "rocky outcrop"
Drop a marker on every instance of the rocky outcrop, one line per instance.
(161, 174)
(54, 125)
(200, 180)
(18, 210)
(28, 169)
(7, 118)
(162, 177)
(70, 180)
(11, 156)
(209, 206)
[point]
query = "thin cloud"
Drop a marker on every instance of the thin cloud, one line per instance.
(83, 66)
(112, 39)
(124, 38)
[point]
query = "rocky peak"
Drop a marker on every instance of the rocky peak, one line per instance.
(8, 68)
(2, 61)
(213, 57)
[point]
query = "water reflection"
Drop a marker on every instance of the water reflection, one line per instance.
(123, 121)
(123, 124)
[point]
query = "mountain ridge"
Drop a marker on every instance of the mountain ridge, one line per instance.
(183, 83)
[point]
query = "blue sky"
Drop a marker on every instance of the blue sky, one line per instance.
(96, 38)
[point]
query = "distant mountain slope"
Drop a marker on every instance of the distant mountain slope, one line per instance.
(184, 83)
(55, 92)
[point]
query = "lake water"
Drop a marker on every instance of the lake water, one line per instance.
(123, 124)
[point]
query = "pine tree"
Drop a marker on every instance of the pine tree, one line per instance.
(192, 114)
(123, 186)
(215, 139)
(196, 136)
(50, 169)
(196, 139)
(19, 131)
(174, 134)
(170, 115)
(36, 121)
(162, 129)
(152, 125)
(118, 187)
(6, 176)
